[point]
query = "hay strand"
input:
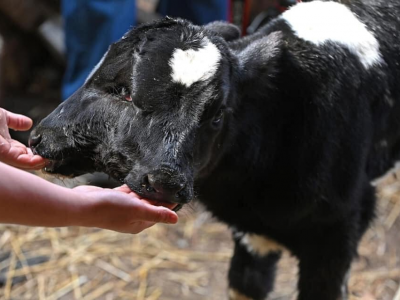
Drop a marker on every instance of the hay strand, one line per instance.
(67, 287)
(397, 296)
(113, 270)
(21, 257)
(11, 270)
(4, 238)
(100, 291)
(393, 215)
(41, 288)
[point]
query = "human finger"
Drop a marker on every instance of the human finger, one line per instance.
(17, 121)
(124, 189)
(157, 214)
(17, 156)
(27, 162)
(169, 205)
(140, 226)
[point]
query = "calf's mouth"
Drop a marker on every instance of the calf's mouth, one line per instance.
(67, 167)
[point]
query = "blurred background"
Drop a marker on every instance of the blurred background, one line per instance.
(186, 261)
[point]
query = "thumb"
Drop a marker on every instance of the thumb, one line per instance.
(18, 122)
(158, 214)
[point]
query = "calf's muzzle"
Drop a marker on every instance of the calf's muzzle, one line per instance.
(165, 184)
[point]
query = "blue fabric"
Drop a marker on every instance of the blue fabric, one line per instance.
(199, 12)
(90, 27)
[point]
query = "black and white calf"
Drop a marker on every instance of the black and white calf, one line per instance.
(279, 133)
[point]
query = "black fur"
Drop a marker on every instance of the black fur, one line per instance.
(286, 146)
(251, 274)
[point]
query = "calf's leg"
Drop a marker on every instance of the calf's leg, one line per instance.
(252, 269)
(325, 263)
(327, 252)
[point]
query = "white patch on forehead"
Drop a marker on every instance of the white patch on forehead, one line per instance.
(96, 67)
(190, 66)
(260, 245)
(319, 22)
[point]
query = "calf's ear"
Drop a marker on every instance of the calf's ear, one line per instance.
(260, 57)
(227, 31)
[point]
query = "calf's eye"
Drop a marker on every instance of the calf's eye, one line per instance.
(218, 117)
(120, 91)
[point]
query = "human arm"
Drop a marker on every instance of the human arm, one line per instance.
(13, 152)
(27, 199)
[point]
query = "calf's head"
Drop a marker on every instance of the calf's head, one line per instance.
(154, 114)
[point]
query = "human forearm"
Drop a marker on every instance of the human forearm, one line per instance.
(29, 200)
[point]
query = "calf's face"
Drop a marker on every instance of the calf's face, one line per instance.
(153, 114)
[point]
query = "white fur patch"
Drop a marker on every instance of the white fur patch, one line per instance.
(190, 66)
(235, 295)
(260, 245)
(319, 22)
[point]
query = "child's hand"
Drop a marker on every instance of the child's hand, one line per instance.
(121, 210)
(12, 152)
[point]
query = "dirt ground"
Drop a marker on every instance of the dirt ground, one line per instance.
(188, 261)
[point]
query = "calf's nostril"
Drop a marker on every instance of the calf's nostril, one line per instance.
(150, 179)
(163, 186)
(34, 140)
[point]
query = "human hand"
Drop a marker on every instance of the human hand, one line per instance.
(13, 152)
(121, 210)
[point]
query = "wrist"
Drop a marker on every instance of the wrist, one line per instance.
(80, 207)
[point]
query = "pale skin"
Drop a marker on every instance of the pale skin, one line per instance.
(27, 199)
